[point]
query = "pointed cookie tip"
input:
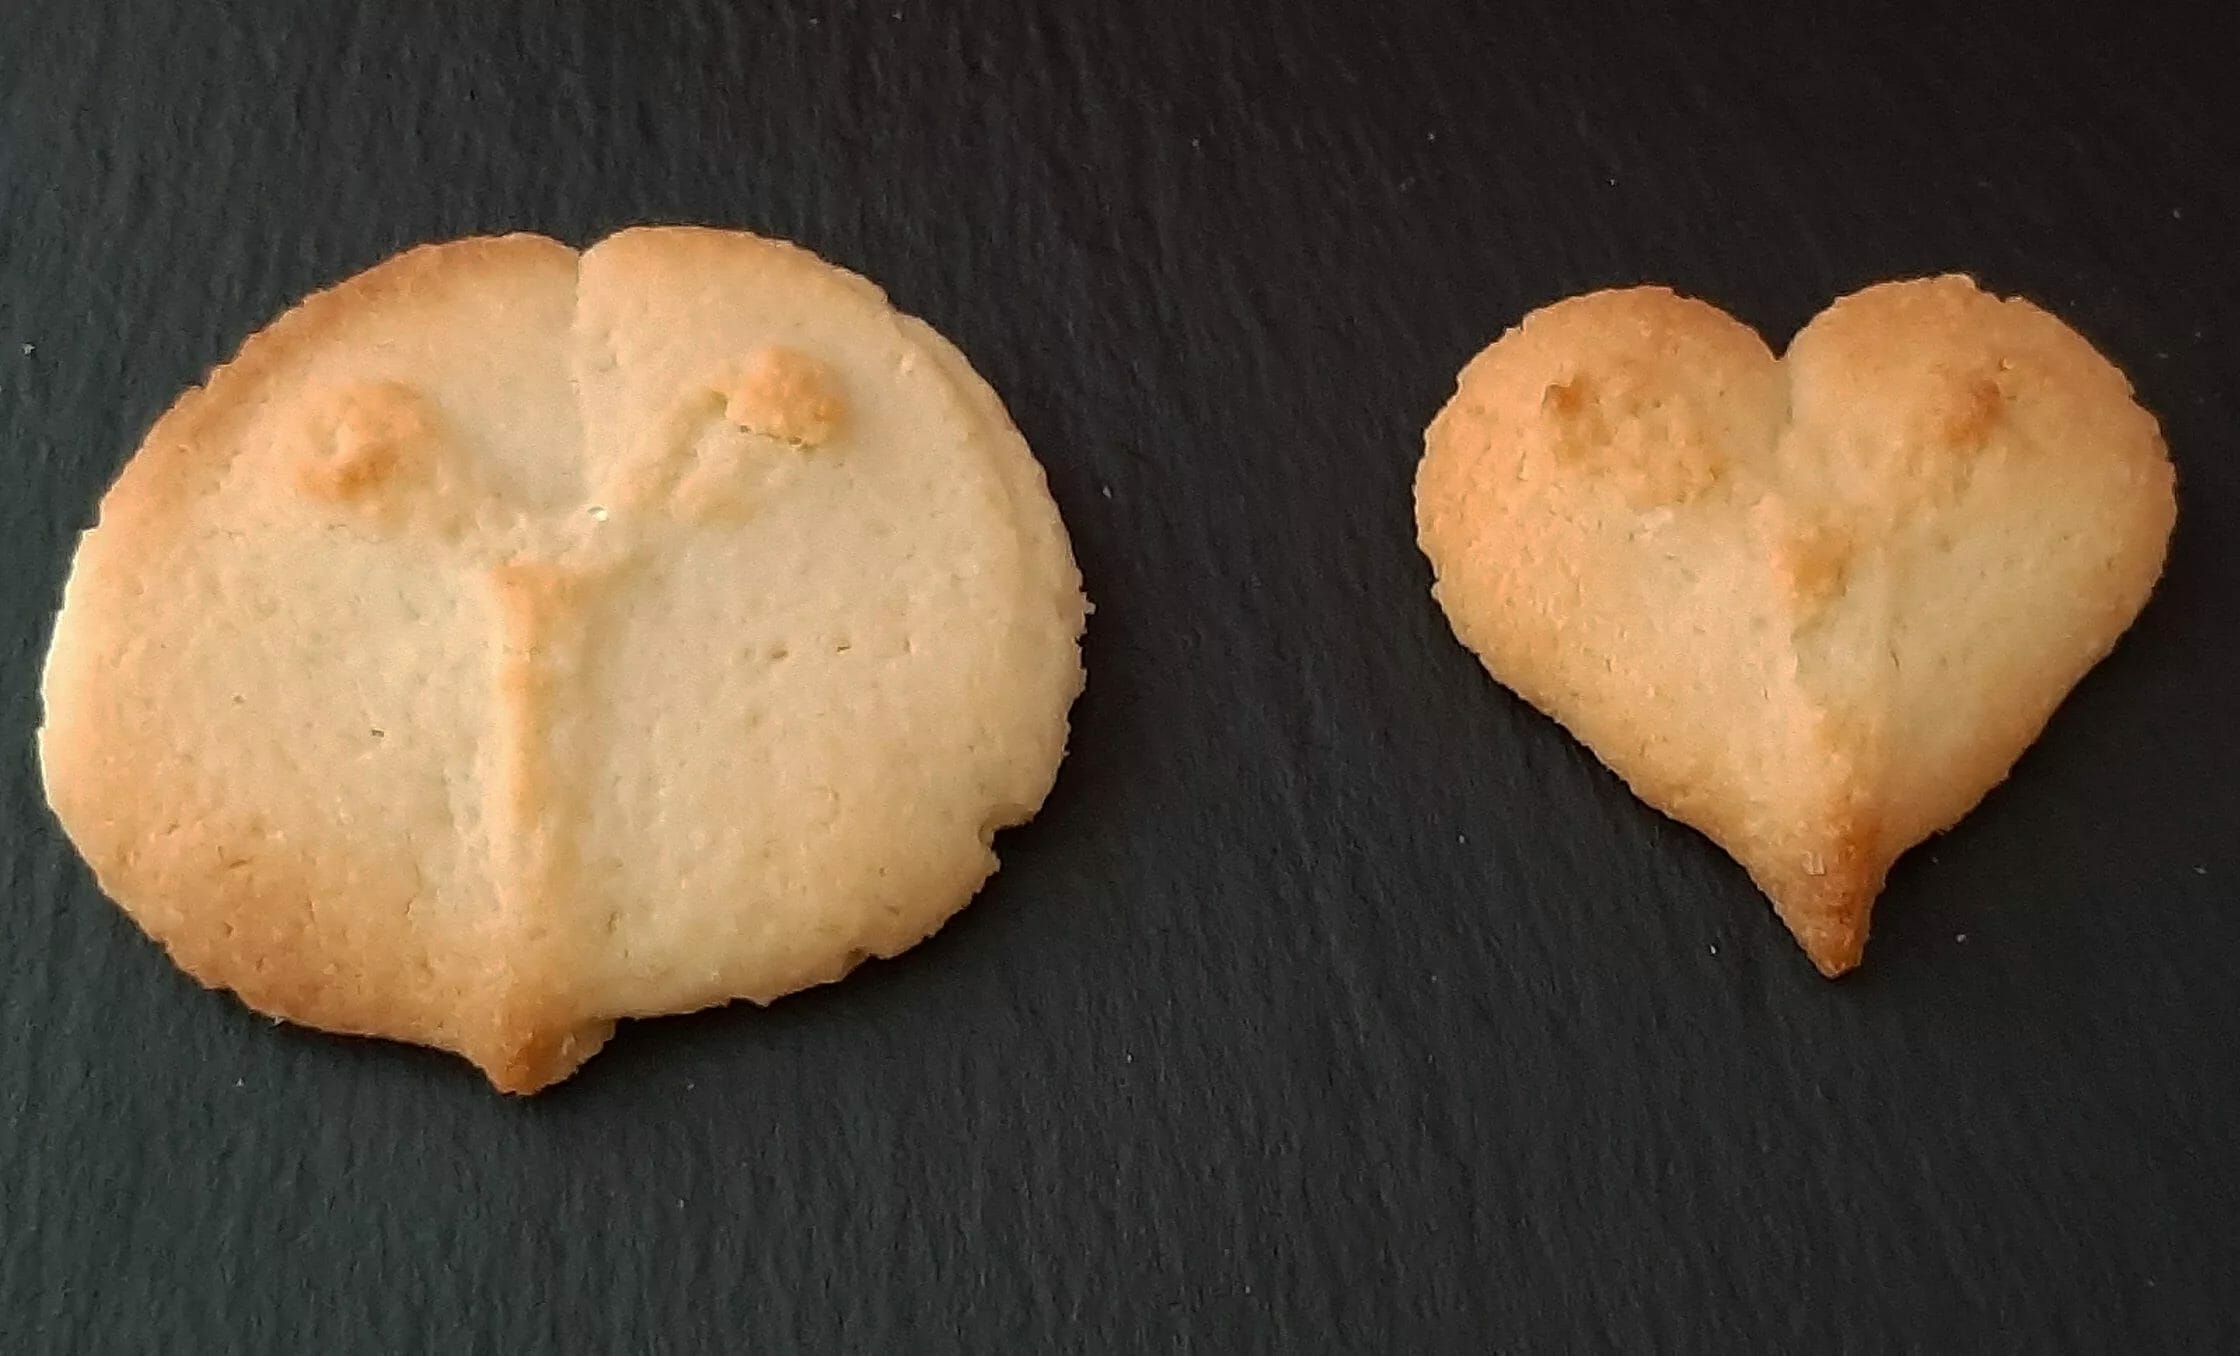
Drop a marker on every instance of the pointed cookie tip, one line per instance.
(1827, 914)
(1834, 958)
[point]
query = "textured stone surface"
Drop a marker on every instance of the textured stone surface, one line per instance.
(1335, 1001)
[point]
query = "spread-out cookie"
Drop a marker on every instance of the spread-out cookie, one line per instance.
(1815, 606)
(511, 640)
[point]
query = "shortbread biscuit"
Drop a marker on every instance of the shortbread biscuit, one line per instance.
(1815, 606)
(512, 640)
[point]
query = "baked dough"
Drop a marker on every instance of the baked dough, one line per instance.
(1816, 606)
(511, 640)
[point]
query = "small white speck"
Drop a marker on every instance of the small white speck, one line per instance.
(2177, 214)
(1193, 141)
(1127, 1057)
(239, 1083)
(1959, 936)
(1105, 490)
(1431, 136)
(2201, 871)
(1714, 948)
(1462, 838)
(599, 513)
(29, 349)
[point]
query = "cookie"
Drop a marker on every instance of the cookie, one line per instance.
(1814, 606)
(511, 640)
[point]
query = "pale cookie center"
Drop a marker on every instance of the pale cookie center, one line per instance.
(379, 458)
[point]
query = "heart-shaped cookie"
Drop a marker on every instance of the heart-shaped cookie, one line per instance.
(1815, 606)
(511, 640)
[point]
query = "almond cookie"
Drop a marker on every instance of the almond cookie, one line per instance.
(512, 639)
(1815, 606)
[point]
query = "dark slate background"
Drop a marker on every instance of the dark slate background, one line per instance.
(1337, 1002)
